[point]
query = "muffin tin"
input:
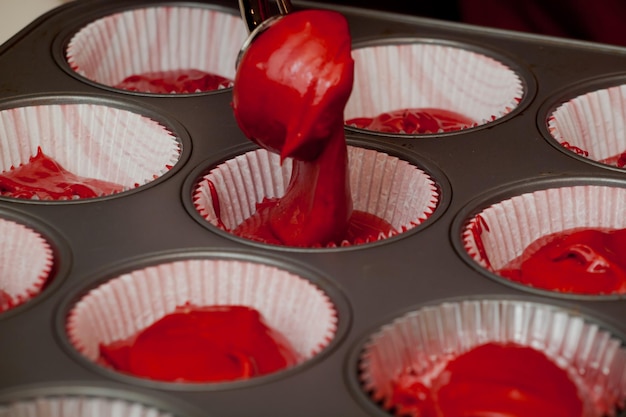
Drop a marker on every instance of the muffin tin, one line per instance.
(155, 222)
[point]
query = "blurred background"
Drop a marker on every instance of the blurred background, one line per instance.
(599, 21)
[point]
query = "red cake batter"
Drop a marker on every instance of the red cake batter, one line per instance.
(494, 379)
(290, 91)
(414, 121)
(174, 81)
(581, 261)
(6, 301)
(575, 149)
(208, 344)
(362, 227)
(617, 160)
(44, 179)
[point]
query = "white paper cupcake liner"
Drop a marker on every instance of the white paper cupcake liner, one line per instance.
(153, 39)
(426, 75)
(123, 306)
(425, 339)
(78, 406)
(89, 140)
(26, 260)
(501, 232)
(382, 185)
(593, 125)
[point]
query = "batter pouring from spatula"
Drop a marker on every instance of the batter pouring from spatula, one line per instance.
(293, 81)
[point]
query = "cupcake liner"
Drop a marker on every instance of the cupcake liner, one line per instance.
(593, 125)
(154, 39)
(382, 185)
(89, 140)
(424, 75)
(426, 339)
(123, 306)
(78, 406)
(501, 232)
(26, 261)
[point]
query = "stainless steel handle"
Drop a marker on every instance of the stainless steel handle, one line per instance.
(255, 12)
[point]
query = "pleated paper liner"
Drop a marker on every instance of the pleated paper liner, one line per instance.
(122, 307)
(383, 185)
(423, 341)
(159, 39)
(26, 261)
(86, 400)
(592, 125)
(500, 233)
(80, 150)
(413, 74)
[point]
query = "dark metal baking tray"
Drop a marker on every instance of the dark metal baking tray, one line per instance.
(370, 284)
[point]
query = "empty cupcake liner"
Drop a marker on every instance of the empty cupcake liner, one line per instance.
(78, 406)
(155, 39)
(127, 304)
(411, 75)
(89, 140)
(26, 261)
(593, 125)
(424, 340)
(501, 232)
(381, 184)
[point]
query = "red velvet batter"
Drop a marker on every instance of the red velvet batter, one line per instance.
(575, 149)
(362, 227)
(208, 344)
(582, 261)
(44, 179)
(503, 380)
(414, 121)
(290, 90)
(6, 301)
(174, 81)
(617, 160)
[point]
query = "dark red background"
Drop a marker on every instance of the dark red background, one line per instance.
(598, 20)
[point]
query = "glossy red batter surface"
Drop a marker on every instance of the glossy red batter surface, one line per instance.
(174, 81)
(414, 121)
(290, 91)
(491, 380)
(45, 179)
(582, 261)
(203, 344)
(362, 227)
